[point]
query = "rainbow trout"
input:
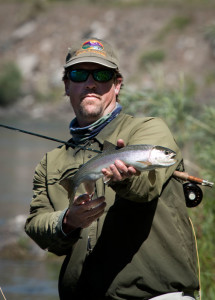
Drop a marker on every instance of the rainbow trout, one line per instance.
(141, 157)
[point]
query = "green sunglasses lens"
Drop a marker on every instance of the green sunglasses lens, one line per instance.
(78, 75)
(98, 75)
(103, 75)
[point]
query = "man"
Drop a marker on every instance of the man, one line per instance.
(133, 240)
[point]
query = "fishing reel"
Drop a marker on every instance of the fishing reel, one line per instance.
(193, 194)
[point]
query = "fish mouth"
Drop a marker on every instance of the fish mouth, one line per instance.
(172, 155)
(170, 159)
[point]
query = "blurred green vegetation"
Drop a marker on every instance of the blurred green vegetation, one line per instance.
(178, 23)
(205, 219)
(10, 84)
(210, 78)
(193, 126)
(173, 106)
(151, 57)
(209, 34)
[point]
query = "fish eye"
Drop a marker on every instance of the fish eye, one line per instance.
(167, 152)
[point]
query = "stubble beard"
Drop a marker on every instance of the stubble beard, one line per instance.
(90, 111)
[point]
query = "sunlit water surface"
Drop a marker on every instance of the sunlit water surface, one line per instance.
(19, 155)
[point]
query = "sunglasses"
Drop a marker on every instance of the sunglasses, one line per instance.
(100, 75)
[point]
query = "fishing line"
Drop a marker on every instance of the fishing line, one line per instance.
(70, 144)
(182, 175)
(198, 259)
(2, 293)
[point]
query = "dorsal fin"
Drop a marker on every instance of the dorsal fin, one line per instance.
(109, 146)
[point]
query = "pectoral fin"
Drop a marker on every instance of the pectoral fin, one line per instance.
(147, 163)
(89, 186)
(107, 177)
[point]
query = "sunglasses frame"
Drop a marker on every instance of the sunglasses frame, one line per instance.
(92, 72)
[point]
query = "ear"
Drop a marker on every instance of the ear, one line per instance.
(118, 84)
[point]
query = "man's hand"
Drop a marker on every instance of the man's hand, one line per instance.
(83, 212)
(119, 170)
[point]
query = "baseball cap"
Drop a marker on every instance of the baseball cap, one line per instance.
(92, 50)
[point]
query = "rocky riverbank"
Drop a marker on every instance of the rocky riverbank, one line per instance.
(156, 43)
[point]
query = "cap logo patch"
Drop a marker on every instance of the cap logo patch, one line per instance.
(92, 46)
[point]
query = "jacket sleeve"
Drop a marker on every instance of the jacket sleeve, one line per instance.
(149, 184)
(44, 223)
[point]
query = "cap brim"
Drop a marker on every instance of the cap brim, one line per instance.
(91, 59)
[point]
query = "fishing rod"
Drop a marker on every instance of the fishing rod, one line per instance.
(181, 175)
(48, 138)
(186, 177)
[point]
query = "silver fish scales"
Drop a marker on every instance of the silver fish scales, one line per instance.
(141, 157)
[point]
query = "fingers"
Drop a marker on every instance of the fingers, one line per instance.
(82, 199)
(107, 174)
(119, 171)
(93, 204)
(92, 213)
(83, 214)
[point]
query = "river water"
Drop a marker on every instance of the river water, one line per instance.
(19, 154)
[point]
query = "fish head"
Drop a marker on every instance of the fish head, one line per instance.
(162, 156)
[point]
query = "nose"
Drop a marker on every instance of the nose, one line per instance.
(90, 82)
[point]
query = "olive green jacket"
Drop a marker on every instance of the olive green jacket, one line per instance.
(143, 244)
